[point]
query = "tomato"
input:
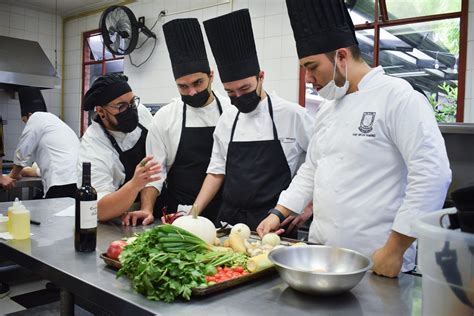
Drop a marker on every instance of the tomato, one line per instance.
(227, 269)
(239, 269)
(115, 248)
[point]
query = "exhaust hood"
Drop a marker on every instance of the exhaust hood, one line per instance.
(24, 63)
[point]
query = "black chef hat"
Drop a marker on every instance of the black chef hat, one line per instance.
(233, 45)
(186, 47)
(320, 26)
(31, 100)
(105, 89)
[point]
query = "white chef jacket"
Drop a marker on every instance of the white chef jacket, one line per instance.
(165, 133)
(293, 123)
(376, 162)
(53, 145)
(107, 171)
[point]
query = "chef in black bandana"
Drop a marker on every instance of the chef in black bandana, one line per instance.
(180, 137)
(260, 141)
(115, 145)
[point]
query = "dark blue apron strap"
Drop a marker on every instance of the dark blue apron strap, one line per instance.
(112, 140)
(233, 127)
(183, 125)
(270, 109)
(218, 103)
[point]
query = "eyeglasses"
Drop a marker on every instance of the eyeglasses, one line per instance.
(122, 106)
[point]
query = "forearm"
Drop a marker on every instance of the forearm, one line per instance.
(148, 198)
(210, 187)
(115, 204)
(15, 173)
(398, 243)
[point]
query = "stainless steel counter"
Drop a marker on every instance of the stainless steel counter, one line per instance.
(25, 189)
(50, 253)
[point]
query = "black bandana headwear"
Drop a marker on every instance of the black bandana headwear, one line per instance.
(105, 89)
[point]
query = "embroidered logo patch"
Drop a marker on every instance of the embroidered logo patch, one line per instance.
(366, 122)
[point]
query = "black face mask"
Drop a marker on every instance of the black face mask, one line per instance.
(197, 100)
(127, 120)
(246, 103)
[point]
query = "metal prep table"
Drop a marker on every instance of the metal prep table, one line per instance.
(25, 189)
(50, 254)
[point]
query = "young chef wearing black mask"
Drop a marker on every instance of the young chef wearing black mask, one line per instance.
(259, 142)
(115, 145)
(49, 142)
(180, 137)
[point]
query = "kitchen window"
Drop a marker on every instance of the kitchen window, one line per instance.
(96, 61)
(422, 41)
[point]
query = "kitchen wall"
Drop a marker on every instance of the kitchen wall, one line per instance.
(469, 96)
(154, 81)
(46, 29)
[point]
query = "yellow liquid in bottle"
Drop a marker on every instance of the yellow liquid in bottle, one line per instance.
(9, 223)
(21, 224)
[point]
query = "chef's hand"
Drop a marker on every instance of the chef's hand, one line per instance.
(6, 182)
(146, 171)
(297, 221)
(387, 262)
(269, 224)
(131, 218)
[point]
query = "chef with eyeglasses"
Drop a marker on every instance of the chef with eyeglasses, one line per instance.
(114, 144)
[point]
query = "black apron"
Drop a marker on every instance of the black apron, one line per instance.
(185, 178)
(256, 173)
(131, 157)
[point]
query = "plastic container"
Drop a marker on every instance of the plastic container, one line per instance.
(20, 218)
(3, 224)
(15, 206)
(446, 260)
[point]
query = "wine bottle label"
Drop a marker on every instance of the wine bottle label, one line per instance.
(88, 214)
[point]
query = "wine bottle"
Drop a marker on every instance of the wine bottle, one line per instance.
(85, 233)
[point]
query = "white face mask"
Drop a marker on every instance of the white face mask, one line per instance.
(331, 91)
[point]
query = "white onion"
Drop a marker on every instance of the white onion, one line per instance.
(242, 230)
(271, 239)
(199, 226)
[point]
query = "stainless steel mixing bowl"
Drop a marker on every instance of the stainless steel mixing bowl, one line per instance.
(322, 270)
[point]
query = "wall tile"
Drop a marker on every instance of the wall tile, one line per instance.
(258, 26)
(31, 24)
(272, 68)
(17, 10)
(45, 27)
(274, 7)
(17, 33)
(240, 4)
(289, 68)
(272, 47)
(257, 8)
(469, 84)
(17, 21)
(273, 25)
(4, 31)
(470, 30)
(4, 19)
